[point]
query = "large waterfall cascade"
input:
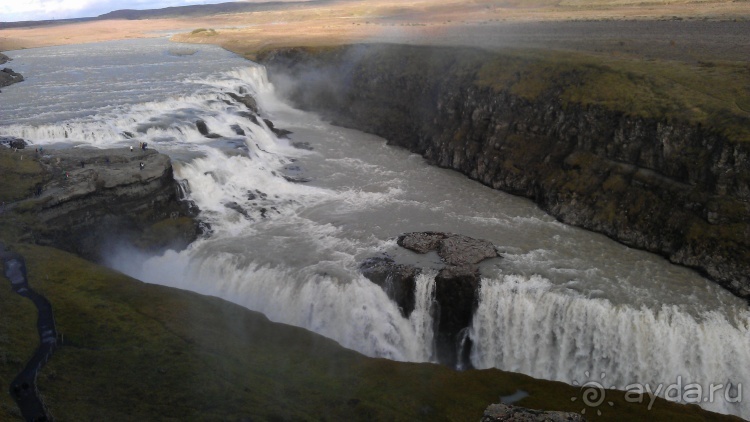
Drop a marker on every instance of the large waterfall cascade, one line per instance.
(561, 304)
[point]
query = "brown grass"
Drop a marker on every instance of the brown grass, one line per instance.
(348, 21)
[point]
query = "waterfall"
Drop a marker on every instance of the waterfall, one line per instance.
(422, 318)
(292, 251)
(356, 313)
(525, 324)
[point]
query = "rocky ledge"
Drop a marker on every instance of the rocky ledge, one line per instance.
(8, 76)
(88, 201)
(456, 286)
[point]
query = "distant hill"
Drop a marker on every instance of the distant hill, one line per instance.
(172, 12)
(22, 24)
(200, 10)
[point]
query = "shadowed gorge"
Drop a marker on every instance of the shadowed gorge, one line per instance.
(542, 127)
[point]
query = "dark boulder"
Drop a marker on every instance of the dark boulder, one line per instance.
(281, 133)
(302, 145)
(297, 179)
(237, 207)
(12, 142)
(246, 100)
(249, 116)
(238, 130)
(398, 281)
(9, 77)
(203, 129)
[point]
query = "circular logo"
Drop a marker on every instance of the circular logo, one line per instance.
(593, 394)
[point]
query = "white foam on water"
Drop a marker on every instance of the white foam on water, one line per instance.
(354, 312)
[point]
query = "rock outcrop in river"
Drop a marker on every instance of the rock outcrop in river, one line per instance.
(456, 286)
(671, 187)
(8, 76)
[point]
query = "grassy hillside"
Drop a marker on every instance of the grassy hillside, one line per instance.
(134, 351)
(20, 174)
(18, 340)
(709, 93)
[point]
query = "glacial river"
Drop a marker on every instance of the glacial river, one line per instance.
(562, 303)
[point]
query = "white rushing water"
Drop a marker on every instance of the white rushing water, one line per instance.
(561, 303)
(525, 325)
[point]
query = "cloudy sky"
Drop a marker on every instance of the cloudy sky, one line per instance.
(23, 10)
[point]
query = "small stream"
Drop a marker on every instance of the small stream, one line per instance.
(23, 388)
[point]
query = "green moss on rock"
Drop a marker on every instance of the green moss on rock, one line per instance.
(21, 173)
(713, 96)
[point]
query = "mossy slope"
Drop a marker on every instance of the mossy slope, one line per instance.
(20, 174)
(710, 93)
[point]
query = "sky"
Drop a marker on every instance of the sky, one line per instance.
(26, 10)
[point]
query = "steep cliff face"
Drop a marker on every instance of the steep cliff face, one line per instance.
(672, 187)
(88, 201)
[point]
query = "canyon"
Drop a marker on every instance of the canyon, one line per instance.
(673, 187)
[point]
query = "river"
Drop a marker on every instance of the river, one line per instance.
(562, 303)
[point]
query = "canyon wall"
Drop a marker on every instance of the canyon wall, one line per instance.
(91, 201)
(676, 188)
